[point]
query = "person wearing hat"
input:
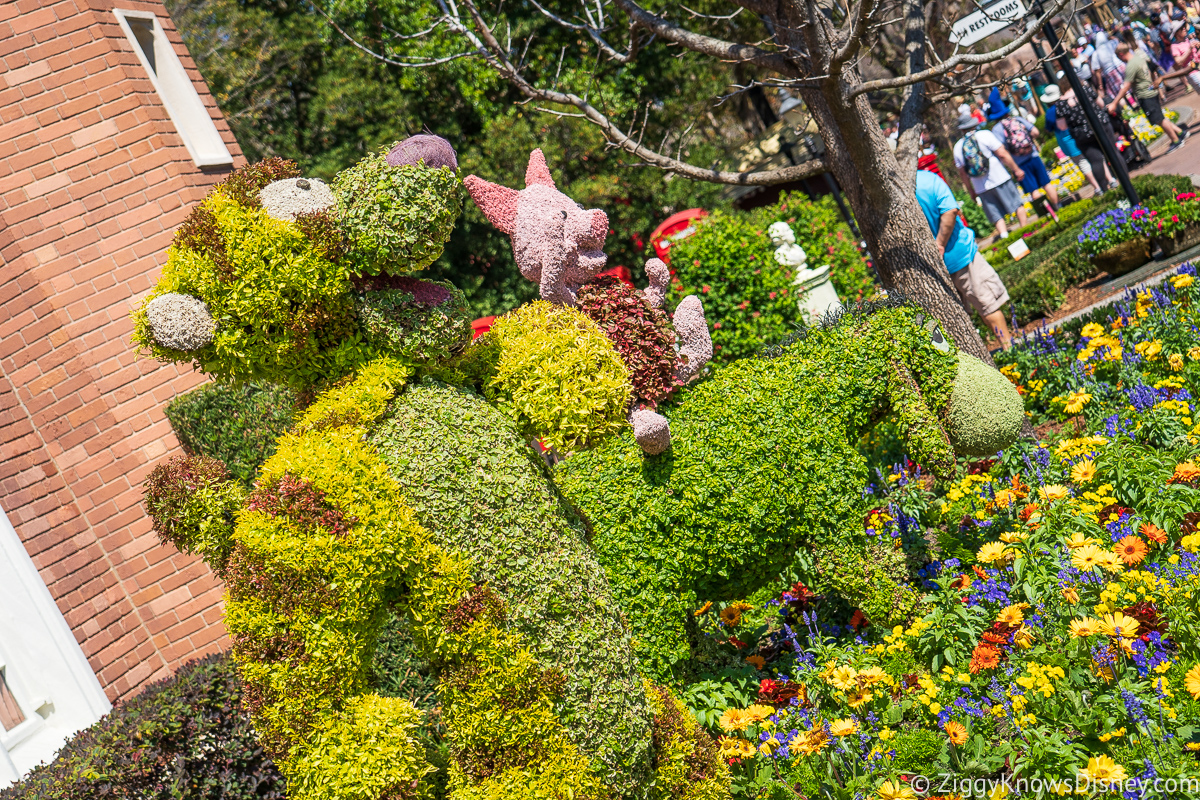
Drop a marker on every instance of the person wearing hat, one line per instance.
(1137, 80)
(1051, 95)
(984, 166)
(1186, 54)
(1019, 137)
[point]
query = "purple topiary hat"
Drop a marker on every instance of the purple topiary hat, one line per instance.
(433, 150)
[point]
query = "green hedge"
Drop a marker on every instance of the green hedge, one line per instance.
(234, 424)
(749, 299)
(185, 738)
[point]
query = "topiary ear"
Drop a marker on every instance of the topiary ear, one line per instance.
(927, 440)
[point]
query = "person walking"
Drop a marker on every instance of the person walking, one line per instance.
(1062, 135)
(978, 285)
(1137, 80)
(985, 166)
(1070, 116)
(1019, 137)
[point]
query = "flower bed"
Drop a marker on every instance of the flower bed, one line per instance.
(1058, 640)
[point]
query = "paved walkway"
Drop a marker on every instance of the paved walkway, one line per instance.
(1185, 160)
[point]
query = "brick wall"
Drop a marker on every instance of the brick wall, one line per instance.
(93, 181)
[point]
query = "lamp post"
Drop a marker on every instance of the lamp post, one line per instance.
(1115, 159)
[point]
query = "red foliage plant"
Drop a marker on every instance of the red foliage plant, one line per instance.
(302, 503)
(641, 333)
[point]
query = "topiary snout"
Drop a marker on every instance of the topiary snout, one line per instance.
(985, 412)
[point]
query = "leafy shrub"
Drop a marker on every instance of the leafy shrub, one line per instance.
(286, 313)
(184, 738)
(557, 375)
(977, 219)
(237, 425)
(1111, 228)
(192, 502)
(750, 299)
(917, 751)
(1151, 189)
(484, 492)
(414, 320)
(641, 333)
(397, 219)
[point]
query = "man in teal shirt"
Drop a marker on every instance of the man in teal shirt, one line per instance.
(976, 281)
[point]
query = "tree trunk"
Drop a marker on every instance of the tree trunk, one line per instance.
(885, 206)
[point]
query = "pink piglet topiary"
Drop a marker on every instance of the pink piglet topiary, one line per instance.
(558, 244)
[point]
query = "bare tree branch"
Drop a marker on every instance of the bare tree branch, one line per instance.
(707, 45)
(863, 11)
(595, 33)
(961, 59)
(407, 62)
(497, 57)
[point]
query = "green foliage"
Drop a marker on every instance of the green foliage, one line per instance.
(984, 409)
(763, 461)
(415, 321)
(483, 491)
(397, 219)
(977, 219)
(688, 764)
(326, 552)
(557, 375)
(184, 738)
(749, 298)
(285, 313)
(191, 501)
(917, 751)
(234, 424)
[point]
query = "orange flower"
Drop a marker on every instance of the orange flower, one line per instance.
(1028, 511)
(961, 583)
(1153, 533)
(758, 662)
(979, 573)
(984, 657)
(1185, 473)
(957, 732)
(1131, 549)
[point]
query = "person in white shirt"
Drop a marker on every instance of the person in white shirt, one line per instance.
(988, 176)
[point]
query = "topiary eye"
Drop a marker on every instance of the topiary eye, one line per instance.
(938, 338)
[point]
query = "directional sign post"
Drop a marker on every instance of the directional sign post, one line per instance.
(986, 21)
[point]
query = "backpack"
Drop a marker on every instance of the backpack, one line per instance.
(973, 158)
(1017, 137)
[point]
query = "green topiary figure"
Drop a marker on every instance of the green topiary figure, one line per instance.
(764, 462)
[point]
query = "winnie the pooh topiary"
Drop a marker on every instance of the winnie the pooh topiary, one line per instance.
(764, 462)
(394, 496)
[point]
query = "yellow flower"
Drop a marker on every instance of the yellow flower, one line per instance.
(1053, 492)
(1092, 330)
(1011, 615)
(1192, 681)
(1083, 472)
(1012, 537)
(758, 662)
(1102, 769)
(732, 613)
(886, 734)
(1078, 540)
(1117, 734)
(895, 791)
(844, 678)
(1023, 638)
(1086, 557)
(1076, 401)
(734, 719)
(1149, 350)
(856, 697)
(1070, 595)
(993, 552)
(1194, 353)
(810, 742)
(957, 732)
(843, 727)
(1176, 360)
(1085, 627)
(1110, 561)
(872, 675)
(734, 748)
(1118, 625)
(1182, 281)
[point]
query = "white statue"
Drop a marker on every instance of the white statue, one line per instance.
(817, 294)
